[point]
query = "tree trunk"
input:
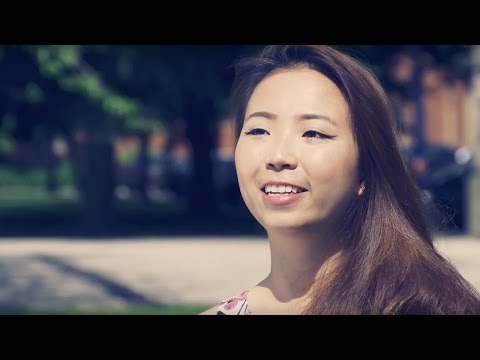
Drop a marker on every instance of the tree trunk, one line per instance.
(143, 168)
(199, 115)
(50, 163)
(99, 185)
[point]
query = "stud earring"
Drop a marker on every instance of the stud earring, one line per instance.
(361, 190)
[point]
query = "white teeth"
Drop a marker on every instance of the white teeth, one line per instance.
(282, 189)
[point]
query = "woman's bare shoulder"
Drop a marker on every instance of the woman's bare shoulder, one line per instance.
(211, 311)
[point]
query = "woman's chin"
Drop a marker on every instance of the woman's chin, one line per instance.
(285, 224)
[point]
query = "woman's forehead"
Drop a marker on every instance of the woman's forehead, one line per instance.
(299, 91)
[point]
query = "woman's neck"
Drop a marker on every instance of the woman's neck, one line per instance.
(298, 259)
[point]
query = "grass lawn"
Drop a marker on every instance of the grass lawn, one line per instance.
(19, 201)
(129, 310)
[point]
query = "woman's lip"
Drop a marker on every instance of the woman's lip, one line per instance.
(278, 200)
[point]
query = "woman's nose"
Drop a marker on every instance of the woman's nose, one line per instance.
(281, 158)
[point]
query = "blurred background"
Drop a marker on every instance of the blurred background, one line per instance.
(118, 191)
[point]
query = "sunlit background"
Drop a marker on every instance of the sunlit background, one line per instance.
(118, 191)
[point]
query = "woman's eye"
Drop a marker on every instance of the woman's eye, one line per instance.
(256, 132)
(316, 134)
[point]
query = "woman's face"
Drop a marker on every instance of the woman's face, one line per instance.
(296, 157)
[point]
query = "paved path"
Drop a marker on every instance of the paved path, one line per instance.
(68, 273)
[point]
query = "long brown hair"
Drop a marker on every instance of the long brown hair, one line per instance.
(388, 263)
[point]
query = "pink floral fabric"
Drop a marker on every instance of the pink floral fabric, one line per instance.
(236, 305)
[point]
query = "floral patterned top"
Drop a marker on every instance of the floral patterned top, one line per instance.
(236, 305)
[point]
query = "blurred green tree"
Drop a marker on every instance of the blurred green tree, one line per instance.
(93, 93)
(177, 81)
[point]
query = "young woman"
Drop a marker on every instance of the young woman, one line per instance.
(319, 167)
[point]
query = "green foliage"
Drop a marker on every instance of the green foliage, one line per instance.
(112, 89)
(121, 106)
(49, 65)
(67, 66)
(7, 127)
(36, 176)
(87, 85)
(34, 93)
(7, 143)
(69, 55)
(10, 176)
(145, 124)
(64, 173)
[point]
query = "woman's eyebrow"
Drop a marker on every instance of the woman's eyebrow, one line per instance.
(264, 114)
(271, 116)
(317, 116)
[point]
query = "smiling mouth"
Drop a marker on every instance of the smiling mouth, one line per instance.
(282, 190)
